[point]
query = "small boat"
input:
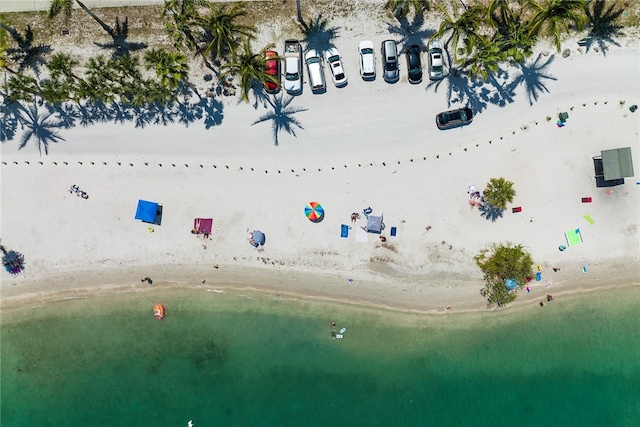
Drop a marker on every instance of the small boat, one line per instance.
(158, 311)
(339, 336)
(343, 330)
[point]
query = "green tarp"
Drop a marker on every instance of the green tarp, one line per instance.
(617, 163)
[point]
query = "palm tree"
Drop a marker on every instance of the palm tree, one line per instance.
(170, 67)
(554, 17)
(401, 8)
(98, 86)
(249, 67)
(185, 28)
(21, 87)
(499, 192)
(484, 59)
(61, 65)
(281, 116)
(57, 6)
(223, 33)
(463, 27)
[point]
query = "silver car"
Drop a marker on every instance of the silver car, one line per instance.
(436, 61)
(391, 73)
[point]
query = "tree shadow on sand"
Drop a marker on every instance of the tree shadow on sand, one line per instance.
(602, 25)
(119, 33)
(499, 88)
(411, 32)
(490, 213)
(9, 117)
(27, 55)
(532, 76)
(318, 35)
(281, 116)
(39, 124)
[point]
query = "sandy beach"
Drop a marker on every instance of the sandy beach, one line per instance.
(370, 144)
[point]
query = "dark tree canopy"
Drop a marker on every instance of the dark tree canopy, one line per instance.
(498, 263)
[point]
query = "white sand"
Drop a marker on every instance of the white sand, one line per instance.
(369, 144)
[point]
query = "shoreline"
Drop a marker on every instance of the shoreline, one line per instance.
(359, 294)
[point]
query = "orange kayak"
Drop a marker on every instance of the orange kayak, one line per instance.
(158, 311)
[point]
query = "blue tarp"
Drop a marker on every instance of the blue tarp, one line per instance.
(510, 284)
(146, 211)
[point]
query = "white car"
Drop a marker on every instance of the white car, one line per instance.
(367, 60)
(315, 71)
(436, 61)
(335, 65)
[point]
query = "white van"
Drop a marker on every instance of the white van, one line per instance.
(316, 73)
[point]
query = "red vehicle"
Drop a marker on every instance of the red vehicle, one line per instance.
(272, 68)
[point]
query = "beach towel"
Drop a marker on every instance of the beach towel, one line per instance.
(344, 230)
(203, 225)
(589, 219)
(361, 235)
(393, 231)
(573, 237)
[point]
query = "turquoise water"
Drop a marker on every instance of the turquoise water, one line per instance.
(231, 360)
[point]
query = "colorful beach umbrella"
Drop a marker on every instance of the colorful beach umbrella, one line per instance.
(314, 211)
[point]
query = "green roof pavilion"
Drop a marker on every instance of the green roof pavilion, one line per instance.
(617, 163)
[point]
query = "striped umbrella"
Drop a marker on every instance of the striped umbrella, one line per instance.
(314, 211)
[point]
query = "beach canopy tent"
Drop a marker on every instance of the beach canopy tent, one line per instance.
(374, 224)
(617, 164)
(147, 211)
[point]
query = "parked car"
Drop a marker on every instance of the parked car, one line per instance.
(315, 71)
(273, 69)
(454, 118)
(436, 61)
(414, 66)
(367, 60)
(335, 65)
(292, 67)
(391, 73)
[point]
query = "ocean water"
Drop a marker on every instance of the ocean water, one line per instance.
(247, 360)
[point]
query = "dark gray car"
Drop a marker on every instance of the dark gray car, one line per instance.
(390, 71)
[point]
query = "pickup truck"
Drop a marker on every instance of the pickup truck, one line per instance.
(292, 67)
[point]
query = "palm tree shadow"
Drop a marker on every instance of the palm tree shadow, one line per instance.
(532, 76)
(317, 35)
(212, 111)
(281, 116)
(602, 25)
(496, 90)
(410, 32)
(9, 118)
(119, 34)
(28, 55)
(462, 90)
(39, 125)
(490, 213)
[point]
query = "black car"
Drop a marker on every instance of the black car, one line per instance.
(413, 64)
(454, 118)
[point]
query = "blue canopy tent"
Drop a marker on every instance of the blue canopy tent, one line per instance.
(147, 211)
(510, 284)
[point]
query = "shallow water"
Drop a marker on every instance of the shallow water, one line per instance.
(233, 360)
